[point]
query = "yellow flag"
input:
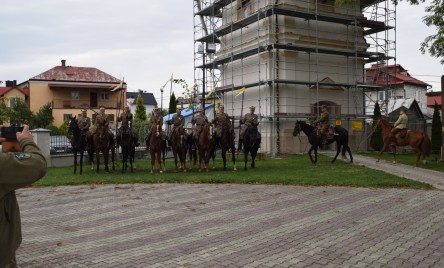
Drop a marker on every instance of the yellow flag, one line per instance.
(209, 93)
(118, 86)
(239, 91)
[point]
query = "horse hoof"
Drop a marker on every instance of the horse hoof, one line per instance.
(394, 162)
(234, 169)
(161, 171)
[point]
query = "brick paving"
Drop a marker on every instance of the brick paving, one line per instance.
(184, 225)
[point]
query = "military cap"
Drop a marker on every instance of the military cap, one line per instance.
(83, 110)
(102, 108)
(179, 108)
(201, 109)
(252, 108)
(156, 109)
(221, 105)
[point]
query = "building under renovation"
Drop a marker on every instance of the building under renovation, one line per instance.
(287, 58)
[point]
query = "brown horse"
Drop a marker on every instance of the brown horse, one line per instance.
(179, 146)
(418, 140)
(205, 145)
(191, 151)
(79, 143)
(101, 143)
(157, 146)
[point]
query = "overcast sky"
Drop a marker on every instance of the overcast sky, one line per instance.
(143, 41)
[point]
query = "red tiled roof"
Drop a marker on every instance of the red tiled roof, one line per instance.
(76, 74)
(4, 90)
(397, 75)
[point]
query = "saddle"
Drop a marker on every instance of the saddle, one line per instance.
(402, 134)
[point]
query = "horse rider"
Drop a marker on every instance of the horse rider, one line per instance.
(126, 117)
(102, 119)
(178, 121)
(84, 123)
(156, 116)
(400, 124)
(250, 119)
(322, 124)
(221, 122)
(199, 122)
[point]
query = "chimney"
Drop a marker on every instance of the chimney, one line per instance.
(63, 63)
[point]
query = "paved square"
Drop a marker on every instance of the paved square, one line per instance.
(186, 225)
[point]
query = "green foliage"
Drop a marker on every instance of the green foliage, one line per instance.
(173, 104)
(376, 140)
(141, 128)
(64, 127)
(55, 130)
(140, 109)
(436, 129)
(19, 113)
(43, 118)
(3, 111)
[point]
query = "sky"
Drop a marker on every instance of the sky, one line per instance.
(143, 42)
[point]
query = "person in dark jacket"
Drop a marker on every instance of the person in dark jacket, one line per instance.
(18, 169)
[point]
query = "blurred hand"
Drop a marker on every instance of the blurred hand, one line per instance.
(24, 134)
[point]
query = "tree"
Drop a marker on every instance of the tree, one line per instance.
(433, 44)
(376, 141)
(173, 104)
(43, 118)
(436, 129)
(140, 109)
(19, 113)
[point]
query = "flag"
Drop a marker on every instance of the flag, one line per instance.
(239, 91)
(209, 93)
(117, 87)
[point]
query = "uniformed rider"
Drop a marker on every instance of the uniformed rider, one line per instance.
(199, 122)
(250, 119)
(178, 121)
(322, 124)
(84, 123)
(221, 122)
(400, 124)
(156, 116)
(126, 117)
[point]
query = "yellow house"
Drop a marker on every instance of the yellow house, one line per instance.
(11, 93)
(71, 89)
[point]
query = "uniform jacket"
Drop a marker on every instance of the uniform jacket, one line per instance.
(102, 119)
(221, 119)
(126, 119)
(200, 119)
(250, 119)
(178, 120)
(84, 123)
(18, 170)
(158, 118)
(323, 120)
(402, 121)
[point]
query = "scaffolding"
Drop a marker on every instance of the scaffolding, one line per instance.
(288, 58)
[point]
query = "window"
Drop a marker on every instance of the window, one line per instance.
(104, 96)
(384, 95)
(66, 117)
(13, 101)
(75, 95)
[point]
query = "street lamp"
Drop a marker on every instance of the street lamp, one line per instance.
(203, 49)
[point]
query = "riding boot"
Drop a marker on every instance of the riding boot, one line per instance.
(239, 146)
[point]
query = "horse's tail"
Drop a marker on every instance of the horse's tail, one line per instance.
(426, 145)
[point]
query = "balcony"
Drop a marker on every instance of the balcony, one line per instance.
(83, 104)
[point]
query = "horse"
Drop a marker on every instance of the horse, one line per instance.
(418, 140)
(191, 150)
(227, 143)
(127, 142)
(179, 146)
(250, 144)
(78, 143)
(341, 140)
(157, 147)
(205, 145)
(101, 143)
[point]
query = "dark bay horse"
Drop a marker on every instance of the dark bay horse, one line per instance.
(127, 141)
(418, 140)
(101, 144)
(78, 143)
(179, 146)
(341, 140)
(227, 143)
(191, 151)
(250, 145)
(157, 147)
(205, 146)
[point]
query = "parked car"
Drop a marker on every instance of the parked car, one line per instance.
(59, 144)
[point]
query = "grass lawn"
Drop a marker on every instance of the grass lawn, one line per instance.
(287, 170)
(410, 159)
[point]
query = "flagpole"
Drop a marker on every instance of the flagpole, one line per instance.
(240, 119)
